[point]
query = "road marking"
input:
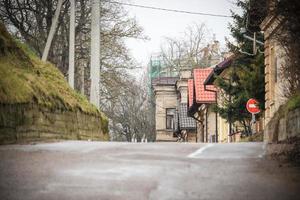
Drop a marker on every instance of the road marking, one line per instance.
(264, 148)
(199, 151)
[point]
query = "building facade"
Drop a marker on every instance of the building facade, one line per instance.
(165, 107)
(171, 108)
(200, 105)
(275, 85)
(170, 87)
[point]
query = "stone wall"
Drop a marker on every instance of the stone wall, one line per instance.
(282, 134)
(165, 136)
(192, 137)
(283, 126)
(27, 122)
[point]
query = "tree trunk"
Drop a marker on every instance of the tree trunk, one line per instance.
(81, 78)
(52, 30)
(95, 54)
(72, 45)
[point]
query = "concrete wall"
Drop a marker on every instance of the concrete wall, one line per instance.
(211, 126)
(223, 125)
(206, 127)
(21, 122)
(223, 130)
(200, 131)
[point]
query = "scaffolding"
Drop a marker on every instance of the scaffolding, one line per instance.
(157, 68)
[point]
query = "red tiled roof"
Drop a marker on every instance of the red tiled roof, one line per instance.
(203, 96)
(190, 91)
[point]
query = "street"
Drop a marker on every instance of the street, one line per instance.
(99, 170)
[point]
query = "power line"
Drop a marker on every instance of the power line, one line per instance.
(169, 10)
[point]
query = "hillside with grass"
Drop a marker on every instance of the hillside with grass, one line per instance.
(25, 79)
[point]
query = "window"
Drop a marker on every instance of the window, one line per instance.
(170, 113)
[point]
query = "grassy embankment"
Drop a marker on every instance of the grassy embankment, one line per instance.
(24, 78)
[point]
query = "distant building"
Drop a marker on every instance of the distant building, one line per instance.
(171, 108)
(165, 107)
(200, 105)
(170, 91)
(184, 121)
(226, 132)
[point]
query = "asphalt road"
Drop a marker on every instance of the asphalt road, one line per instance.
(97, 170)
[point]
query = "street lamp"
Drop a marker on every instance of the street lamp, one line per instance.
(255, 41)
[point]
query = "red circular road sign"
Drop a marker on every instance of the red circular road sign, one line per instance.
(252, 106)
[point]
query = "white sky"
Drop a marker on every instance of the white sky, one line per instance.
(158, 24)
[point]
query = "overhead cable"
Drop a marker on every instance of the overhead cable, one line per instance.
(170, 10)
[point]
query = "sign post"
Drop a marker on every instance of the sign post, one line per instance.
(253, 107)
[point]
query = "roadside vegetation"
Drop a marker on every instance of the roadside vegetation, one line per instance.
(246, 74)
(24, 78)
(116, 62)
(294, 102)
(257, 137)
(287, 12)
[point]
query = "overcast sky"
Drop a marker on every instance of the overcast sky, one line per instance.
(158, 24)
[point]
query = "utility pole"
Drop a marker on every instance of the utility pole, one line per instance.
(254, 43)
(72, 44)
(254, 40)
(95, 54)
(217, 135)
(52, 30)
(230, 117)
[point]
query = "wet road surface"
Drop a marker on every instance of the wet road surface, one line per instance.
(98, 170)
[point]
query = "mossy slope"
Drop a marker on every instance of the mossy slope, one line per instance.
(24, 78)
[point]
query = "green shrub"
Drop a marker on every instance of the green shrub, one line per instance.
(294, 102)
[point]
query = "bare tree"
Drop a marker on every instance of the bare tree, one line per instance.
(130, 111)
(52, 30)
(287, 36)
(30, 20)
(190, 50)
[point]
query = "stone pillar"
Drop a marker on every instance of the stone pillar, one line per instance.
(182, 84)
